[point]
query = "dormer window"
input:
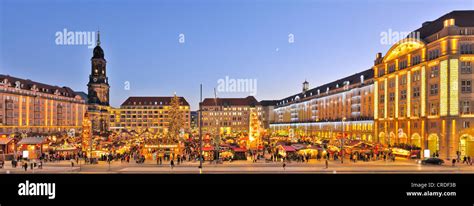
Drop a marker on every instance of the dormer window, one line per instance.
(449, 22)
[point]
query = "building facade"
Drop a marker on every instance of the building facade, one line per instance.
(31, 107)
(419, 93)
(327, 110)
(268, 116)
(423, 88)
(150, 114)
(229, 116)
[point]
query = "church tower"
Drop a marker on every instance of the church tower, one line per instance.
(98, 92)
(98, 86)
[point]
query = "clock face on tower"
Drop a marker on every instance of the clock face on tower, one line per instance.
(95, 79)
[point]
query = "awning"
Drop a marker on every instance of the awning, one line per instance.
(238, 149)
(316, 147)
(299, 146)
(289, 148)
(208, 148)
(4, 141)
(33, 140)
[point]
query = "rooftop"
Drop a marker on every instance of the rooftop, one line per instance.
(40, 87)
(152, 101)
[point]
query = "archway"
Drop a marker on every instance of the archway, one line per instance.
(416, 139)
(433, 143)
(466, 145)
(391, 138)
(369, 138)
(402, 138)
(382, 138)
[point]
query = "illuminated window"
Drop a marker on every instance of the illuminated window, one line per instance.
(466, 86)
(382, 98)
(466, 124)
(466, 107)
(402, 111)
(434, 72)
(403, 79)
(416, 76)
(434, 108)
(392, 96)
(416, 110)
(391, 83)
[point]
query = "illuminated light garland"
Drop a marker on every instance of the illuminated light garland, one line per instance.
(454, 87)
(423, 91)
(443, 81)
(20, 110)
(396, 96)
(408, 94)
(385, 98)
(376, 100)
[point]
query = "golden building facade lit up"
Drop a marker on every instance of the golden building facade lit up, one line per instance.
(140, 114)
(230, 116)
(325, 111)
(31, 107)
(423, 88)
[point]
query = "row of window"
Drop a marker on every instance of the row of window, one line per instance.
(433, 109)
(466, 87)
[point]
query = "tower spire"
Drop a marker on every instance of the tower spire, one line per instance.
(98, 37)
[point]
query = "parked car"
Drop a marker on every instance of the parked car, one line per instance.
(432, 160)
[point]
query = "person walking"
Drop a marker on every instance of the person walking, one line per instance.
(72, 162)
(454, 162)
(284, 165)
(172, 164)
(25, 165)
(327, 163)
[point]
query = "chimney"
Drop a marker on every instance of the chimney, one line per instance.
(378, 58)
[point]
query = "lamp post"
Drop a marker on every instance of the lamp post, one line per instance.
(218, 140)
(200, 131)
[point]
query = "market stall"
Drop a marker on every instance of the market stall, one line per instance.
(32, 147)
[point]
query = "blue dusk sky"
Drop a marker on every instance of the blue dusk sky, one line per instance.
(240, 39)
